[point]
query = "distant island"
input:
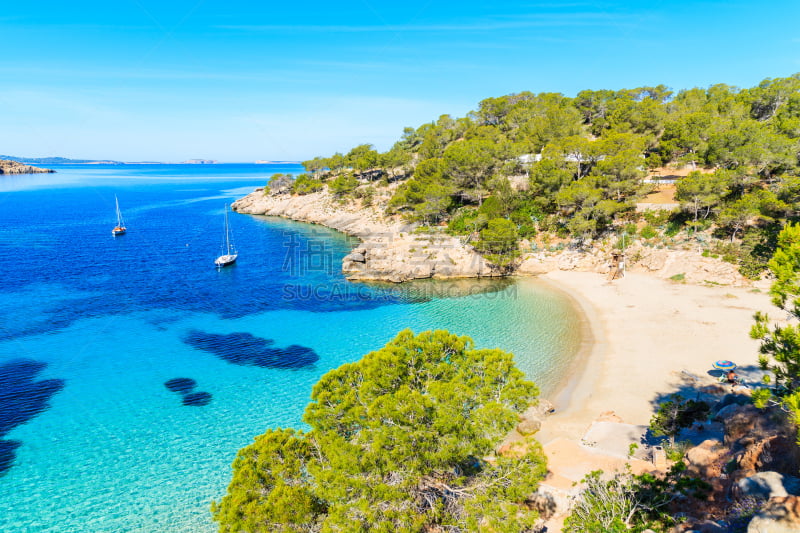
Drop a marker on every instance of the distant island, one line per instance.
(15, 167)
(200, 162)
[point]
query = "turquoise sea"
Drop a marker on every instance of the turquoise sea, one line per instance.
(93, 326)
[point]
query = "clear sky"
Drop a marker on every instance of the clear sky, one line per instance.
(237, 80)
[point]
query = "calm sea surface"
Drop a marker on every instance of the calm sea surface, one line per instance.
(93, 326)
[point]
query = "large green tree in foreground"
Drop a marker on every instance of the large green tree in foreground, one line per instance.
(402, 440)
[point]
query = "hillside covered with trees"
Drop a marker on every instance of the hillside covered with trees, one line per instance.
(530, 164)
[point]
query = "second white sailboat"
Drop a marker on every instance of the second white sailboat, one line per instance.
(229, 254)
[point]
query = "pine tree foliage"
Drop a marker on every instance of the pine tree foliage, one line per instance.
(402, 440)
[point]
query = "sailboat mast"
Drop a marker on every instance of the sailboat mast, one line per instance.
(227, 232)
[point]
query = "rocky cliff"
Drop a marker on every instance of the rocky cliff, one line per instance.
(389, 251)
(12, 167)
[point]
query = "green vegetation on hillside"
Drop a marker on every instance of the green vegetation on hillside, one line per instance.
(401, 441)
(574, 168)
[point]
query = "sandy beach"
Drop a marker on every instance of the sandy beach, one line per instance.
(648, 337)
(644, 338)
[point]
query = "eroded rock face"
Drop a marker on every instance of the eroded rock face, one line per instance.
(745, 421)
(771, 452)
(12, 167)
(390, 251)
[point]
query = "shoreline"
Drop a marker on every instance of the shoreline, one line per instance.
(643, 336)
(390, 249)
(648, 338)
(644, 326)
(589, 352)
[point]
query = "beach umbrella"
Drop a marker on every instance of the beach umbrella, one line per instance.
(724, 364)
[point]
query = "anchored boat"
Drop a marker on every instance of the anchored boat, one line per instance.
(229, 254)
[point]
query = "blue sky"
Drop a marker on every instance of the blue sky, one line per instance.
(239, 81)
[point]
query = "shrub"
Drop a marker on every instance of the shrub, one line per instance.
(676, 414)
(673, 228)
(648, 232)
(305, 184)
(631, 503)
(343, 184)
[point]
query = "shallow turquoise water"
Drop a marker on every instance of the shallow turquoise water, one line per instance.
(113, 449)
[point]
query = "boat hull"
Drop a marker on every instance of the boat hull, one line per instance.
(118, 231)
(225, 260)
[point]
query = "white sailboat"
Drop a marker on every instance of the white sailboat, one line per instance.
(229, 254)
(119, 229)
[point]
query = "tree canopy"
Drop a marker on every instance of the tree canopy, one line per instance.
(580, 163)
(402, 440)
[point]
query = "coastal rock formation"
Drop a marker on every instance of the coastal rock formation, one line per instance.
(389, 251)
(12, 167)
(392, 251)
(661, 262)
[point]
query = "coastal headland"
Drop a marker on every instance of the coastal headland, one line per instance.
(12, 167)
(390, 250)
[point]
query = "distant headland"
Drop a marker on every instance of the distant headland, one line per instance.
(14, 167)
(67, 161)
(58, 161)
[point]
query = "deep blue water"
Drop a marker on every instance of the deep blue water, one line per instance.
(96, 431)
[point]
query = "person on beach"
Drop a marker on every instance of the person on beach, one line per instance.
(732, 377)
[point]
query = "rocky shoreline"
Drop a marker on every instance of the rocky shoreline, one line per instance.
(389, 249)
(392, 251)
(12, 167)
